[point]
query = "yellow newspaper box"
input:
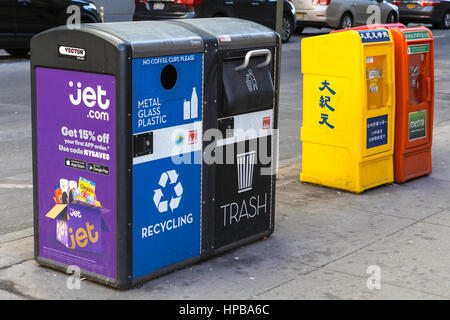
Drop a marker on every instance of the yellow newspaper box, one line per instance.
(348, 109)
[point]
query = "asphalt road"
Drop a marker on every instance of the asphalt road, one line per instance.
(15, 122)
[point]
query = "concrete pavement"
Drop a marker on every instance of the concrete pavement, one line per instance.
(325, 240)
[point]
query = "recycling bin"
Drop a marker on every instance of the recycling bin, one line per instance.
(414, 73)
(348, 109)
(124, 184)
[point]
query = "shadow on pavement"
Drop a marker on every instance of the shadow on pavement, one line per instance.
(5, 57)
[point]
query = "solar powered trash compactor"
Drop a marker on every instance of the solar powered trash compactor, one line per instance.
(126, 186)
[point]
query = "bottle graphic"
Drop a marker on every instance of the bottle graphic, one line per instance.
(187, 110)
(194, 104)
(58, 194)
(72, 190)
(64, 185)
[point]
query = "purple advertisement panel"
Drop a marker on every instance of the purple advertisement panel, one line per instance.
(76, 137)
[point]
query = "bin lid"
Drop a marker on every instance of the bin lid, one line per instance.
(232, 33)
(151, 38)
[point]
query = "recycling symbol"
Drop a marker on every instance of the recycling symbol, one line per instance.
(171, 177)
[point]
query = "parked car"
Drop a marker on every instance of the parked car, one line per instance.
(436, 12)
(260, 11)
(341, 14)
(22, 19)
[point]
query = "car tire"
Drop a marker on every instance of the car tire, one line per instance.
(299, 29)
(288, 28)
(391, 18)
(346, 21)
(18, 52)
(445, 23)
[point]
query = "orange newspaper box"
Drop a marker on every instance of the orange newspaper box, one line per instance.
(414, 76)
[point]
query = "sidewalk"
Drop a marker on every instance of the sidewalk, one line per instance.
(324, 241)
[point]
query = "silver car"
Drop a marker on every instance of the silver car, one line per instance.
(343, 14)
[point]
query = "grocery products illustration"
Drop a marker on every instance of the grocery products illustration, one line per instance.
(78, 215)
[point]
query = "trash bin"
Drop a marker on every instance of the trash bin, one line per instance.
(414, 73)
(121, 186)
(348, 109)
(247, 114)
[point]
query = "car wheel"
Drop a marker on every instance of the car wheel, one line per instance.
(391, 18)
(18, 52)
(346, 21)
(445, 23)
(288, 28)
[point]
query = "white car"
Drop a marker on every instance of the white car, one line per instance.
(343, 14)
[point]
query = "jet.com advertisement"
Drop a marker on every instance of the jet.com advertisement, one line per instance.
(77, 172)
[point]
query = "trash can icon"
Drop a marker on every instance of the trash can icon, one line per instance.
(121, 186)
(245, 164)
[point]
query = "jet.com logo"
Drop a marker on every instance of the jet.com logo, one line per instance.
(90, 98)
